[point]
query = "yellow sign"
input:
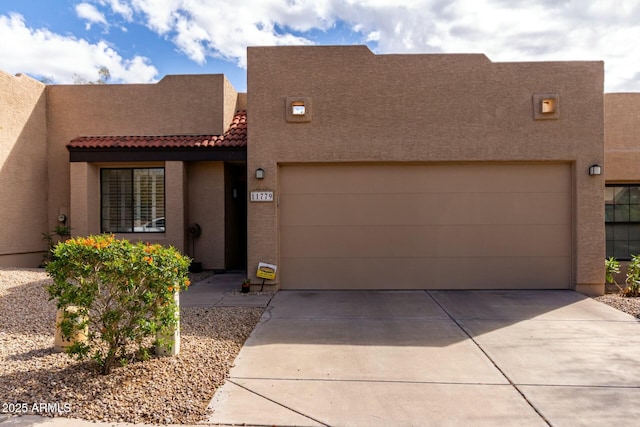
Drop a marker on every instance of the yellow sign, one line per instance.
(266, 271)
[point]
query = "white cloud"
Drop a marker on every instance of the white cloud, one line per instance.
(40, 52)
(90, 14)
(224, 29)
(121, 8)
(506, 30)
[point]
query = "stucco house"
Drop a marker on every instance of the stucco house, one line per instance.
(346, 169)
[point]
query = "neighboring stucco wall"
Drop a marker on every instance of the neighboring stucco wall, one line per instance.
(85, 198)
(622, 137)
(424, 108)
(206, 196)
(622, 144)
(23, 171)
(186, 104)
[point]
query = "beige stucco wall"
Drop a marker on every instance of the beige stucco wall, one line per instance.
(186, 104)
(23, 171)
(424, 108)
(85, 198)
(205, 198)
(622, 137)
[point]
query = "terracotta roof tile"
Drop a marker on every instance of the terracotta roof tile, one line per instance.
(235, 136)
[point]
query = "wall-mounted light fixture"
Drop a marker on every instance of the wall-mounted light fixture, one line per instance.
(297, 108)
(595, 170)
(546, 106)
(259, 173)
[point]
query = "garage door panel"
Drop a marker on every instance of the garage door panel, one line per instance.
(363, 241)
(524, 272)
(499, 208)
(358, 209)
(445, 226)
(413, 178)
(423, 241)
(419, 209)
(427, 273)
(358, 273)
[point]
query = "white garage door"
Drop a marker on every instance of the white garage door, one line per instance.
(445, 226)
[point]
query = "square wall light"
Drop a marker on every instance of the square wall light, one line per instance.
(298, 109)
(546, 106)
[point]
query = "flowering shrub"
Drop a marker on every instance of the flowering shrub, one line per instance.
(123, 292)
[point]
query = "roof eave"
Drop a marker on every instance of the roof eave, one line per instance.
(191, 154)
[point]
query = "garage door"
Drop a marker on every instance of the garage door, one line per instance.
(445, 226)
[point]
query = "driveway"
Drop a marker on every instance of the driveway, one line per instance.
(481, 358)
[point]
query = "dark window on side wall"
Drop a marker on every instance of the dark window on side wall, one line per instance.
(132, 200)
(622, 220)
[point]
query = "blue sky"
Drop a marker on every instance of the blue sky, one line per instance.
(140, 41)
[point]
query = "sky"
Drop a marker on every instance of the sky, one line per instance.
(141, 41)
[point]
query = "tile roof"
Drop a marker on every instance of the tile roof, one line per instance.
(234, 137)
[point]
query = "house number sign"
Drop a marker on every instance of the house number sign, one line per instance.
(262, 196)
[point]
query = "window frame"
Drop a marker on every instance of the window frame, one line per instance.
(133, 199)
(611, 224)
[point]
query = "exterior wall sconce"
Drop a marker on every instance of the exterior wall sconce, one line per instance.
(259, 173)
(595, 170)
(297, 108)
(546, 106)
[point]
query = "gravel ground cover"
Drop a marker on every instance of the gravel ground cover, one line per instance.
(164, 390)
(630, 305)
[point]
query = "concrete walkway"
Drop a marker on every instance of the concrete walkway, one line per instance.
(222, 290)
(481, 358)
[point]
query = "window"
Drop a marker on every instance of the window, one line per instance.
(622, 220)
(132, 200)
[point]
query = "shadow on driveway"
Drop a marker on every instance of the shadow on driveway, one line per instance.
(435, 357)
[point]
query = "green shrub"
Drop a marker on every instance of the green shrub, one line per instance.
(63, 232)
(612, 267)
(123, 292)
(633, 278)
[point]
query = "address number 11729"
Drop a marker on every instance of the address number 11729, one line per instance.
(262, 196)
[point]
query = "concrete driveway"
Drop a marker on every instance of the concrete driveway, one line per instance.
(481, 358)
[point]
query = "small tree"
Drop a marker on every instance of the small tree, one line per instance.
(123, 292)
(104, 75)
